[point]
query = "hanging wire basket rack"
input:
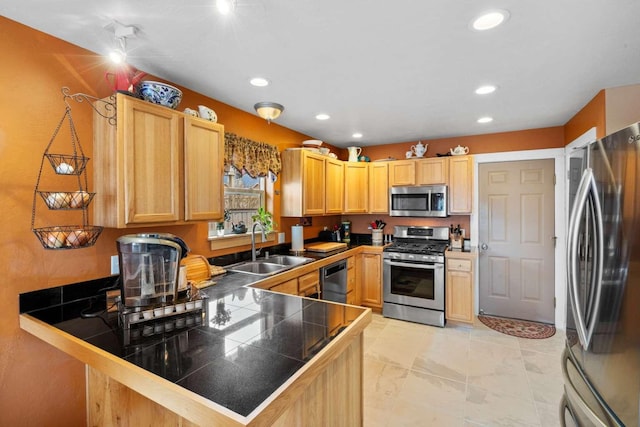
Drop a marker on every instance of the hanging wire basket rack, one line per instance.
(73, 164)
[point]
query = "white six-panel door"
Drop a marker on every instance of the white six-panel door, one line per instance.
(516, 239)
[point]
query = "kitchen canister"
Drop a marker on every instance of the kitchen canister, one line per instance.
(346, 231)
(297, 238)
(376, 237)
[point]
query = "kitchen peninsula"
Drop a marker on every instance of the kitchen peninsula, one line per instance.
(253, 357)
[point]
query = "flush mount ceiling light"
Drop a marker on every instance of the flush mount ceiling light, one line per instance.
(489, 20)
(268, 110)
(259, 82)
(485, 90)
(356, 135)
(225, 7)
(323, 116)
(485, 119)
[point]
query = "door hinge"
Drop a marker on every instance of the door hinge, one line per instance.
(554, 179)
(555, 239)
(554, 302)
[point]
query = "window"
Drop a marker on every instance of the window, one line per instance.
(243, 195)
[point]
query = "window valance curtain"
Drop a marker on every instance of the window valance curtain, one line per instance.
(256, 158)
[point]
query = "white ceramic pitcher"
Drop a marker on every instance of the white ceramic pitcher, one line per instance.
(354, 153)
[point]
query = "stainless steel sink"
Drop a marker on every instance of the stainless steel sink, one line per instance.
(289, 260)
(259, 268)
(269, 266)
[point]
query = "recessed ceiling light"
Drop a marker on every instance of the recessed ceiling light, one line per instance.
(356, 135)
(485, 119)
(259, 82)
(322, 116)
(489, 20)
(484, 90)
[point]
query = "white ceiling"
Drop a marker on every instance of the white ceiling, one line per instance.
(395, 71)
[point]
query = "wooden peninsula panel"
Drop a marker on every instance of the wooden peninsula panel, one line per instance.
(327, 390)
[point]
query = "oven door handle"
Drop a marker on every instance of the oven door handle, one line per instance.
(412, 265)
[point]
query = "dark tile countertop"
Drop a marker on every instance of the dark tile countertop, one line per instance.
(237, 352)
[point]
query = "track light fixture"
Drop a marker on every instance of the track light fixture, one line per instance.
(121, 33)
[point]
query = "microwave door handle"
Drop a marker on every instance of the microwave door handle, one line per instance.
(421, 266)
(429, 201)
(572, 255)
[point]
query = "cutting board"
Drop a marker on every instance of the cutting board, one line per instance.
(325, 246)
(198, 268)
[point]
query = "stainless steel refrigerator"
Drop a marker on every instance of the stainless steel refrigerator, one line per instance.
(601, 362)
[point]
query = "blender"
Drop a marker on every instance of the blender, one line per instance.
(149, 266)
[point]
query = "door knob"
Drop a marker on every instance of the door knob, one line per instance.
(484, 246)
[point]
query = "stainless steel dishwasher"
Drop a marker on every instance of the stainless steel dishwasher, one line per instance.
(333, 282)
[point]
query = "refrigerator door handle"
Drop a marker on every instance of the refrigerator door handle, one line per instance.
(574, 397)
(587, 188)
(598, 267)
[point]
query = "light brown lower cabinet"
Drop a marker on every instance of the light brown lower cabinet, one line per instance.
(289, 287)
(371, 280)
(309, 284)
(305, 285)
(459, 288)
(352, 294)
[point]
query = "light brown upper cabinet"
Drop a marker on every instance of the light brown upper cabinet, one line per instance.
(402, 172)
(419, 171)
(454, 171)
(356, 187)
(303, 183)
(432, 171)
(460, 185)
(203, 169)
(156, 167)
(379, 187)
(334, 180)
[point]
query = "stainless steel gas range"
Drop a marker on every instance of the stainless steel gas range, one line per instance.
(413, 274)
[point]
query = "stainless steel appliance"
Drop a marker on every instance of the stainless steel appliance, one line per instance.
(413, 274)
(333, 282)
(149, 265)
(418, 200)
(601, 362)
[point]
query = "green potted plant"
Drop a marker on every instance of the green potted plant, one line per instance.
(265, 218)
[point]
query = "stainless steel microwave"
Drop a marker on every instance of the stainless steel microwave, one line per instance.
(418, 200)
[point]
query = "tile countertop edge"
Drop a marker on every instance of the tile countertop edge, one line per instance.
(179, 400)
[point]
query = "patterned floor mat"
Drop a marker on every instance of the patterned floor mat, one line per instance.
(518, 328)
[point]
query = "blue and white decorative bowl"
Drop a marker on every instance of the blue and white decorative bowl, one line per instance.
(160, 93)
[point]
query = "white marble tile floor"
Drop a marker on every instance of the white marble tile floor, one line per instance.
(460, 375)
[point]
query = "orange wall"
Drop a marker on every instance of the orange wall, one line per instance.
(40, 385)
(490, 143)
(591, 115)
